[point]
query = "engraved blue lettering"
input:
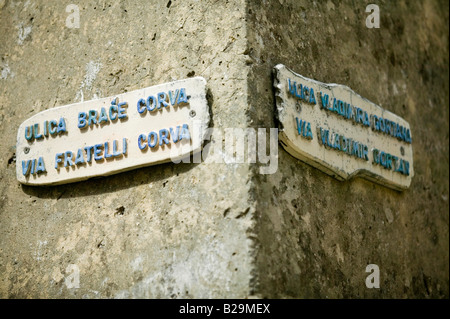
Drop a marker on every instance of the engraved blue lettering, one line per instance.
(28, 133)
(312, 98)
(107, 155)
(140, 105)
(162, 97)
(185, 132)
(324, 100)
(173, 97)
(175, 135)
(68, 158)
(122, 111)
(113, 112)
(40, 167)
(46, 128)
(155, 139)
(92, 117)
(141, 142)
(97, 152)
(80, 157)
(61, 126)
(182, 97)
(58, 159)
(163, 136)
(88, 150)
(52, 127)
(26, 167)
(103, 116)
(37, 135)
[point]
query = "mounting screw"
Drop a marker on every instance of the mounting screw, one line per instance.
(192, 113)
(402, 150)
(26, 150)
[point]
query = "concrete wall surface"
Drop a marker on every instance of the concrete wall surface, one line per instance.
(317, 235)
(224, 230)
(148, 233)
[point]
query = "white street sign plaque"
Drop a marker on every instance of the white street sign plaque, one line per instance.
(341, 133)
(100, 137)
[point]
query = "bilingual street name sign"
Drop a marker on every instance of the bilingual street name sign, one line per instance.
(101, 137)
(334, 129)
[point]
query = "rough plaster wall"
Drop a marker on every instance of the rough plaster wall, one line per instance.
(181, 230)
(154, 232)
(316, 235)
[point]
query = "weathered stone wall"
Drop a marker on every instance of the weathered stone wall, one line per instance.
(225, 230)
(153, 232)
(316, 235)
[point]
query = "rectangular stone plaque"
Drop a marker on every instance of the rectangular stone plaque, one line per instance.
(106, 136)
(341, 133)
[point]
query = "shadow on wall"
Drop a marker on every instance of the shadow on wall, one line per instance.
(110, 184)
